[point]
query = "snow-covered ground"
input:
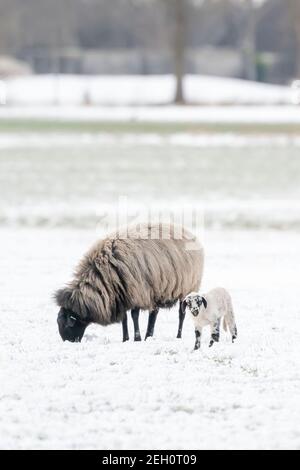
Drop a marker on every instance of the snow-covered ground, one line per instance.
(71, 180)
(13, 140)
(202, 115)
(165, 114)
(140, 90)
(103, 394)
(140, 99)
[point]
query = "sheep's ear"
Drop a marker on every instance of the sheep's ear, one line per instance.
(183, 306)
(204, 302)
(62, 297)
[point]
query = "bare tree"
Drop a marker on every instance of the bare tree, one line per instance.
(179, 31)
(9, 25)
(249, 41)
(294, 10)
(47, 28)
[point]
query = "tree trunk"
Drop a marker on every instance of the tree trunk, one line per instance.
(179, 7)
(249, 43)
(294, 11)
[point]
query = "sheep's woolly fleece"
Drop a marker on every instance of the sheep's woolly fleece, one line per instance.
(131, 269)
(103, 394)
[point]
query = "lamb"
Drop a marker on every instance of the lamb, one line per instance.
(148, 268)
(208, 310)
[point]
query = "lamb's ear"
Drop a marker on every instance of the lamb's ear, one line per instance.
(183, 306)
(204, 301)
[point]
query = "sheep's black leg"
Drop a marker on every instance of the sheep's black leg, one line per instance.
(125, 329)
(151, 322)
(215, 333)
(135, 317)
(198, 338)
(181, 320)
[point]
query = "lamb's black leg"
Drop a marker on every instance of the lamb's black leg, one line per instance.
(181, 320)
(151, 322)
(198, 338)
(135, 317)
(125, 329)
(215, 333)
(234, 335)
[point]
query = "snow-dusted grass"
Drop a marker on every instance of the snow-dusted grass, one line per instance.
(264, 116)
(73, 180)
(139, 90)
(102, 394)
(36, 140)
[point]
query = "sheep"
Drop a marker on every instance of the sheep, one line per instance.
(208, 310)
(146, 267)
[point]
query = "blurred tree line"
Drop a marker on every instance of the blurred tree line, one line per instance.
(261, 31)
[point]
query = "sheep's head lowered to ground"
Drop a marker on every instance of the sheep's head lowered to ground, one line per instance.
(71, 327)
(124, 272)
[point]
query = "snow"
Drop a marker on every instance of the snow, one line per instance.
(140, 90)
(183, 114)
(159, 394)
(33, 140)
(73, 180)
(103, 394)
(229, 213)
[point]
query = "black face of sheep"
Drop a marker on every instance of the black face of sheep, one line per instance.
(140, 267)
(71, 328)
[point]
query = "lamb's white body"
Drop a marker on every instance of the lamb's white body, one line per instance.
(209, 309)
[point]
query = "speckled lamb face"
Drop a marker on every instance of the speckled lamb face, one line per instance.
(194, 303)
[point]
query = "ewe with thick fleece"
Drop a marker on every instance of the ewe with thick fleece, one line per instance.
(208, 310)
(144, 266)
